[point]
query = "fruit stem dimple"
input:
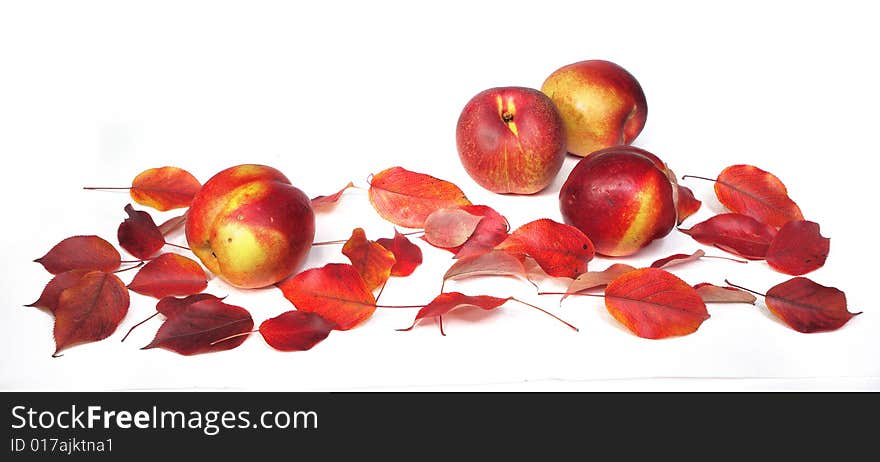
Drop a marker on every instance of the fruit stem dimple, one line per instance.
(506, 116)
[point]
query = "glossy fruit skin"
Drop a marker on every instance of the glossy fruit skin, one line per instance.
(620, 200)
(250, 226)
(602, 104)
(511, 140)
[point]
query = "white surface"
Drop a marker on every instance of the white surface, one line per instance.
(91, 93)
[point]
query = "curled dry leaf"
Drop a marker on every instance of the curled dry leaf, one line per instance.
(653, 303)
(678, 259)
(450, 227)
(687, 204)
(202, 327)
(596, 279)
(90, 310)
(295, 330)
(164, 188)
(48, 299)
(561, 250)
(169, 274)
(81, 252)
(370, 259)
(798, 248)
(335, 291)
(711, 293)
(407, 256)
(748, 190)
(808, 307)
(735, 233)
(495, 263)
(446, 302)
(139, 235)
(321, 203)
(172, 224)
(406, 198)
(490, 231)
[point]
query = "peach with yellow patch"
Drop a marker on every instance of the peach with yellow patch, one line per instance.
(601, 103)
(250, 226)
(620, 199)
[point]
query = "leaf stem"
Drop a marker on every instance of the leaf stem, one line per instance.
(240, 334)
(381, 290)
(743, 288)
(698, 177)
(725, 258)
(547, 313)
(400, 306)
(178, 246)
(104, 188)
(440, 319)
(583, 294)
(338, 241)
(138, 324)
(142, 263)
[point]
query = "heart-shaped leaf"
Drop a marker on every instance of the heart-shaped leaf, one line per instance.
(169, 274)
(295, 330)
(798, 248)
(335, 291)
(407, 256)
(81, 252)
(89, 310)
(164, 188)
(139, 235)
(735, 233)
(561, 250)
(406, 198)
(202, 327)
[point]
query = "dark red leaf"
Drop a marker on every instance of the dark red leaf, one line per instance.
(716, 294)
(81, 252)
(369, 258)
(561, 250)
(798, 248)
(687, 204)
(49, 297)
(139, 235)
(169, 274)
(808, 307)
(490, 231)
(407, 256)
(446, 302)
(172, 224)
(335, 291)
(748, 190)
(450, 227)
(295, 330)
(164, 188)
(653, 303)
(596, 279)
(202, 326)
(321, 203)
(735, 233)
(90, 310)
(406, 198)
(169, 306)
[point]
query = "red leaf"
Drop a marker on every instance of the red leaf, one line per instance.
(678, 259)
(406, 198)
(735, 233)
(596, 279)
(81, 252)
(450, 227)
(494, 263)
(90, 310)
(687, 203)
(172, 224)
(716, 294)
(164, 188)
(169, 306)
(321, 203)
(654, 304)
(446, 302)
(407, 256)
(798, 248)
(202, 326)
(369, 258)
(808, 307)
(335, 291)
(295, 330)
(490, 231)
(139, 235)
(169, 274)
(748, 190)
(561, 250)
(49, 297)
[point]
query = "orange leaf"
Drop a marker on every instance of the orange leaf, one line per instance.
(81, 252)
(321, 203)
(369, 258)
(654, 304)
(407, 256)
(716, 294)
(169, 274)
(90, 310)
(406, 198)
(335, 291)
(561, 250)
(448, 228)
(164, 188)
(687, 204)
(595, 279)
(748, 190)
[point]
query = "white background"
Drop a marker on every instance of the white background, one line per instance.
(92, 93)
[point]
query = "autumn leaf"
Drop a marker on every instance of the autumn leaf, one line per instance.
(172, 224)
(169, 306)
(321, 203)
(494, 263)
(446, 302)
(735, 233)
(406, 198)
(490, 231)
(139, 235)
(169, 274)
(370, 259)
(687, 204)
(48, 299)
(798, 248)
(335, 291)
(653, 304)
(202, 327)
(561, 250)
(89, 310)
(450, 227)
(711, 293)
(164, 188)
(682, 258)
(81, 252)
(407, 256)
(295, 330)
(596, 279)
